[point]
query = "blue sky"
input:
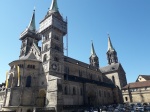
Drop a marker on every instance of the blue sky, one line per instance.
(127, 22)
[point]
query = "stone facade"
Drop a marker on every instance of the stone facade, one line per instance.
(45, 79)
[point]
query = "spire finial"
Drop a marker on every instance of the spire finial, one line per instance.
(110, 47)
(54, 6)
(31, 26)
(34, 9)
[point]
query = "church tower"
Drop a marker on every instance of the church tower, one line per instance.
(111, 53)
(28, 37)
(52, 29)
(94, 61)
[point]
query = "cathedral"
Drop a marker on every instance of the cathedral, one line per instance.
(44, 79)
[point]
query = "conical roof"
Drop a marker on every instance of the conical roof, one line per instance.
(110, 46)
(93, 53)
(31, 25)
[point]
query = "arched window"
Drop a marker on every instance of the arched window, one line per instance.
(22, 52)
(66, 90)
(81, 91)
(57, 48)
(10, 80)
(33, 66)
(113, 79)
(56, 59)
(74, 91)
(67, 70)
(90, 76)
(56, 37)
(30, 43)
(100, 93)
(45, 58)
(104, 94)
(80, 73)
(99, 78)
(28, 81)
(23, 44)
(46, 37)
(46, 47)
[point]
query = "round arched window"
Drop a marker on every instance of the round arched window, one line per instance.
(45, 58)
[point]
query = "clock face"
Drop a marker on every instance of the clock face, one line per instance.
(54, 66)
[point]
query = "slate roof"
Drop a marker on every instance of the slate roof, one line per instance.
(137, 85)
(84, 80)
(110, 68)
(74, 61)
(32, 56)
(146, 77)
(37, 48)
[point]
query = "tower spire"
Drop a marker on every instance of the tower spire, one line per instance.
(31, 26)
(93, 50)
(94, 61)
(110, 46)
(111, 53)
(54, 6)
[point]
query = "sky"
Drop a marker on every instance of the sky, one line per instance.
(126, 21)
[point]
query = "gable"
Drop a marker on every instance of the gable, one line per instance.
(34, 53)
(143, 78)
(120, 68)
(32, 56)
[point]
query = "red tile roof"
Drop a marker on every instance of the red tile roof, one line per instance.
(137, 85)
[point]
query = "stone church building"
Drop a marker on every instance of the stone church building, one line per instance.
(43, 78)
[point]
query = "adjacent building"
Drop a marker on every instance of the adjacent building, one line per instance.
(44, 79)
(138, 91)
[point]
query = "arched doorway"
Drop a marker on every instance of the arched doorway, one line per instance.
(41, 98)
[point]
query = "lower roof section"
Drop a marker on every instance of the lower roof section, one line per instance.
(84, 80)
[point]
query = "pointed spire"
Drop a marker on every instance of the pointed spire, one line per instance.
(54, 6)
(94, 61)
(110, 46)
(111, 53)
(31, 26)
(92, 50)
